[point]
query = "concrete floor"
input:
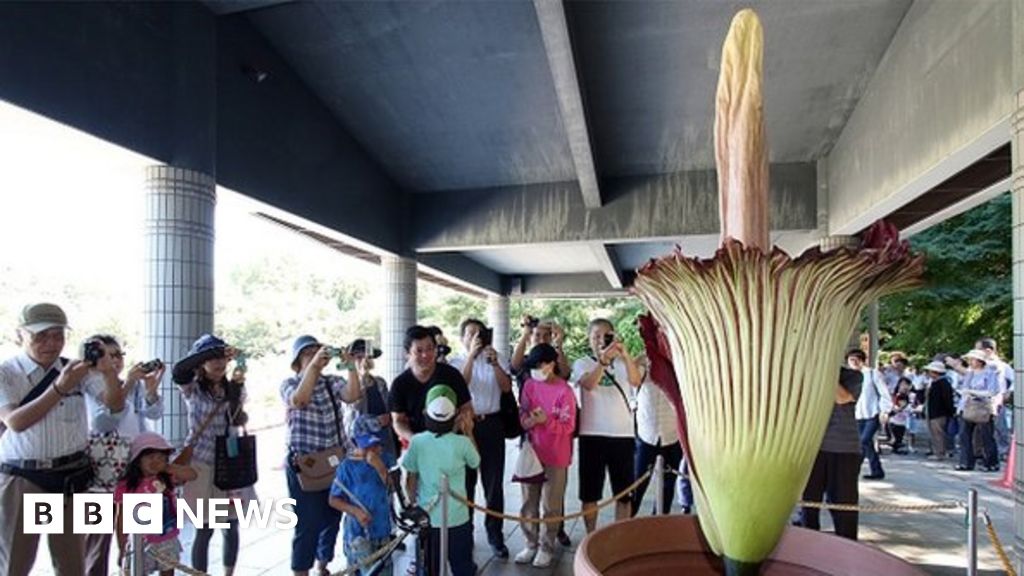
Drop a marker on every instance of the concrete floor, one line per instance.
(936, 541)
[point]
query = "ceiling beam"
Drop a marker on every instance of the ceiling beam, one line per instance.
(639, 208)
(609, 264)
(554, 31)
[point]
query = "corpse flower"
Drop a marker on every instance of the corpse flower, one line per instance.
(754, 335)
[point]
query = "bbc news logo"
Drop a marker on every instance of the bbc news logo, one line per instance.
(144, 513)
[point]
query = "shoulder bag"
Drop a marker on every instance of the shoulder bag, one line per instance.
(315, 470)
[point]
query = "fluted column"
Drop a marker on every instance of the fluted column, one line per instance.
(399, 312)
(497, 317)
(179, 236)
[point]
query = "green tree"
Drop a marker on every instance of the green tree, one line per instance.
(968, 290)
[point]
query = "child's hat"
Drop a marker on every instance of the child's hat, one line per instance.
(149, 441)
(441, 403)
(364, 441)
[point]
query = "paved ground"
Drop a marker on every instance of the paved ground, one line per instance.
(933, 540)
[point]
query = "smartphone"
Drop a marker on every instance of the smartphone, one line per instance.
(487, 336)
(608, 339)
(240, 362)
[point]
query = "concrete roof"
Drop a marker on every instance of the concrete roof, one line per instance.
(504, 144)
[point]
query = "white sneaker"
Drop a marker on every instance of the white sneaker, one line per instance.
(542, 559)
(526, 555)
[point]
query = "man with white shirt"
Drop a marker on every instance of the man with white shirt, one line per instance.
(487, 376)
(43, 448)
(657, 435)
(873, 403)
(1004, 376)
(605, 380)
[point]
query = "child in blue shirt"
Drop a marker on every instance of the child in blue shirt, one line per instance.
(432, 454)
(360, 491)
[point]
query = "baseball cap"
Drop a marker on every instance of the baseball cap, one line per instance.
(42, 316)
(441, 401)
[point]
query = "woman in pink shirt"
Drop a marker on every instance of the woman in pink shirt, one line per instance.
(547, 410)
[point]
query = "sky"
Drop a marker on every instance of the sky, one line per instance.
(73, 209)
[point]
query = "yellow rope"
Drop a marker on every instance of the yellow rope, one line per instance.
(555, 519)
(991, 529)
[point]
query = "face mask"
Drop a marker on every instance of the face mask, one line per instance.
(540, 373)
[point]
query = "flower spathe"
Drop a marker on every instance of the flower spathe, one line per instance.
(756, 339)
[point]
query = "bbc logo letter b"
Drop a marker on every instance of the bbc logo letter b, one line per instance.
(43, 514)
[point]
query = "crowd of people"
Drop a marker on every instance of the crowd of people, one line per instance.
(354, 439)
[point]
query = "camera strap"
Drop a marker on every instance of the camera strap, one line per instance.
(43, 384)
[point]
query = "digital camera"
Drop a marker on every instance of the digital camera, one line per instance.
(486, 336)
(93, 352)
(151, 366)
(532, 322)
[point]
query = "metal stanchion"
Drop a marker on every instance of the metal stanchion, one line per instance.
(659, 484)
(138, 556)
(972, 532)
(443, 547)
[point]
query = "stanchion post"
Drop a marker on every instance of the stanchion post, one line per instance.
(659, 485)
(138, 556)
(443, 547)
(972, 532)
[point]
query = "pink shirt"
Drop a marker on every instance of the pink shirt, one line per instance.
(552, 440)
(154, 485)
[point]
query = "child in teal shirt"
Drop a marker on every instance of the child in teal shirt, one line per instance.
(432, 454)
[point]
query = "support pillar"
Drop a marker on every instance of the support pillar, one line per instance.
(1017, 190)
(399, 312)
(497, 317)
(873, 334)
(178, 307)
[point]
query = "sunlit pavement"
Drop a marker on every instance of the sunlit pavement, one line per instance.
(936, 541)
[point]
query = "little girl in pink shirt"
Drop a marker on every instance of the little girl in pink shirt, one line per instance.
(547, 411)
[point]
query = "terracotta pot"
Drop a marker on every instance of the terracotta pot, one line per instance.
(673, 545)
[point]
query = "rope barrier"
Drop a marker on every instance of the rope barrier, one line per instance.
(998, 545)
(951, 505)
(573, 516)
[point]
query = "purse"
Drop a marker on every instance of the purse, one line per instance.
(184, 458)
(315, 470)
(528, 468)
(978, 410)
(108, 453)
(234, 462)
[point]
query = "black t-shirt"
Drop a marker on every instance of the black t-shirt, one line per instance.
(409, 396)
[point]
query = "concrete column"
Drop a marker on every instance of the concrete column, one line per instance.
(873, 334)
(399, 312)
(179, 275)
(1017, 189)
(497, 317)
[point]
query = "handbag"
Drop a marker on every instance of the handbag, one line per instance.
(978, 410)
(184, 458)
(108, 453)
(509, 411)
(315, 470)
(528, 468)
(234, 462)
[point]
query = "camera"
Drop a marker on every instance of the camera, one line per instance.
(532, 322)
(486, 336)
(93, 352)
(608, 339)
(151, 366)
(334, 352)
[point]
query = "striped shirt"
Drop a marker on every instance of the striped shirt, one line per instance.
(62, 431)
(129, 421)
(200, 404)
(312, 428)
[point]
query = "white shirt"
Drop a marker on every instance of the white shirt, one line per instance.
(874, 396)
(129, 421)
(604, 411)
(483, 386)
(61, 432)
(655, 415)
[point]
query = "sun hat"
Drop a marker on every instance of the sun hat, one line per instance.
(977, 355)
(936, 367)
(42, 316)
(300, 344)
(149, 441)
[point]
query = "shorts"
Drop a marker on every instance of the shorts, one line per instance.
(600, 453)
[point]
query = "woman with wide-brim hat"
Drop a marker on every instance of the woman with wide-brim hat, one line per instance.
(979, 386)
(202, 377)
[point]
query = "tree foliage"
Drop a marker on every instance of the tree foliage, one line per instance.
(968, 291)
